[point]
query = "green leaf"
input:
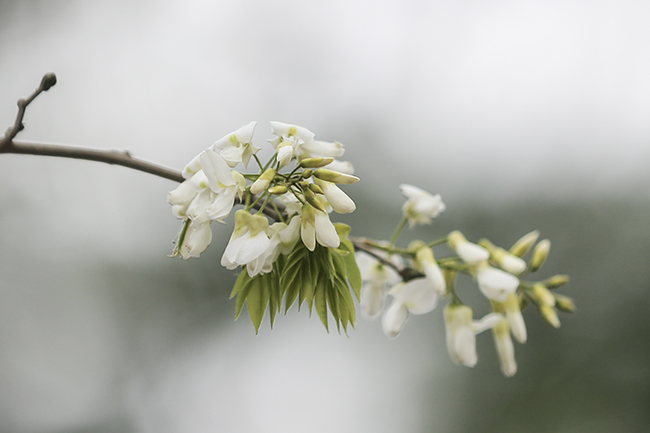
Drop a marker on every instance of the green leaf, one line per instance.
(353, 273)
(306, 285)
(320, 301)
(258, 298)
(242, 280)
(275, 299)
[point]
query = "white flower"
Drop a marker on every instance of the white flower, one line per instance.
(237, 146)
(263, 181)
(264, 263)
(414, 297)
(181, 197)
(469, 252)
(496, 284)
(376, 277)
(321, 149)
(427, 263)
(225, 183)
(289, 236)
(316, 226)
(505, 348)
(461, 332)
(197, 238)
(248, 241)
(515, 318)
(344, 167)
(289, 139)
(508, 261)
(291, 203)
(339, 200)
(420, 206)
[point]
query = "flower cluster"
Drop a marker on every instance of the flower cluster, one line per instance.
(299, 202)
(291, 252)
(498, 272)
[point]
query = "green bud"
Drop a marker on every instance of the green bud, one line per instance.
(564, 303)
(540, 253)
(550, 315)
(335, 176)
(312, 200)
(48, 81)
(315, 188)
(315, 162)
(280, 189)
(307, 174)
(524, 244)
(556, 281)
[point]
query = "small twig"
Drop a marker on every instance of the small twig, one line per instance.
(407, 273)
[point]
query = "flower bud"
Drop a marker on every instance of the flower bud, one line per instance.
(524, 244)
(550, 315)
(515, 318)
(316, 189)
(543, 295)
(540, 253)
(335, 176)
(307, 174)
(556, 281)
(469, 252)
(280, 189)
(312, 200)
(507, 261)
(564, 303)
(505, 348)
(48, 81)
(263, 181)
(315, 162)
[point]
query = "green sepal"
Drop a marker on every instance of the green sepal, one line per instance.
(343, 230)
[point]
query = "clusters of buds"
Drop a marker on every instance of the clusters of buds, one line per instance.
(290, 251)
(416, 279)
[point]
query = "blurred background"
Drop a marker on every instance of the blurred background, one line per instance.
(523, 115)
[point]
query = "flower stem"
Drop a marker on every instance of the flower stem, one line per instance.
(398, 231)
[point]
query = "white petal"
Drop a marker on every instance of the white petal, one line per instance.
(435, 276)
(339, 200)
(325, 232)
(223, 204)
(232, 155)
(513, 264)
(464, 347)
(216, 170)
(308, 235)
(505, 349)
(322, 149)
(253, 248)
(372, 299)
(344, 167)
(472, 253)
(496, 284)
(487, 322)
(196, 241)
(235, 245)
(394, 318)
(417, 295)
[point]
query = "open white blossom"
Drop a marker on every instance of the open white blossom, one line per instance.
(427, 263)
(417, 296)
(289, 139)
(237, 146)
(339, 200)
(248, 241)
(420, 206)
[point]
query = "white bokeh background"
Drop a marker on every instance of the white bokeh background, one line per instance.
(488, 103)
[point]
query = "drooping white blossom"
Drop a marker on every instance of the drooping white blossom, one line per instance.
(505, 348)
(427, 262)
(316, 226)
(515, 318)
(461, 332)
(420, 206)
(196, 240)
(418, 296)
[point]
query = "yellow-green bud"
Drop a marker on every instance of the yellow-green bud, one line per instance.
(280, 189)
(312, 200)
(307, 174)
(335, 176)
(454, 238)
(556, 281)
(315, 188)
(263, 181)
(524, 244)
(315, 162)
(543, 295)
(564, 303)
(550, 315)
(540, 253)
(506, 260)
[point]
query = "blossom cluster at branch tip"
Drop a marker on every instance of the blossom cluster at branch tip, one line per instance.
(213, 187)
